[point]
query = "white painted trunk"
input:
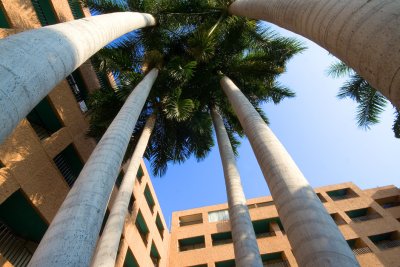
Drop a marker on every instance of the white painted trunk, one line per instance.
(108, 244)
(34, 62)
(245, 245)
(362, 33)
(72, 235)
(312, 233)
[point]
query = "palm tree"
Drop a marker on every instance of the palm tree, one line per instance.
(244, 238)
(107, 247)
(345, 29)
(312, 233)
(258, 52)
(370, 102)
(72, 235)
(35, 61)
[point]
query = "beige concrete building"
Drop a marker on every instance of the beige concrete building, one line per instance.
(42, 158)
(369, 220)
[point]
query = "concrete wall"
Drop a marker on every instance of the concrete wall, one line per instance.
(388, 222)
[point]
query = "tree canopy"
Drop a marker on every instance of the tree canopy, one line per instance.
(193, 45)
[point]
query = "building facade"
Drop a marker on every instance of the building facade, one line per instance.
(369, 220)
(42, 158)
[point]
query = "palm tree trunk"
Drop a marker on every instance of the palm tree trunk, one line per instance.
(72, 235)
(245, 245)
(34, 62)
(362, 33)
(313, 235)
(107, 247)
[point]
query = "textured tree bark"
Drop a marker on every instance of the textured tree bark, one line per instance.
(72, 235)
(107, 246)
(245, 245)
(312, 233)
(362, 33)
(34, 62)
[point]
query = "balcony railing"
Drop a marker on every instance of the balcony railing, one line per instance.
(190, 222)
(276, 263)
(359, 251)
(386, 244)
(366, 217)
(191, 247)
(13, 248)
(266, 234)
(65, 169)
(222, 242)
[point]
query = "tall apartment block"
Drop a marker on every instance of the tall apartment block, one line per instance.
(369, 220)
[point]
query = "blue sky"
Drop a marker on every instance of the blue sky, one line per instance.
(317, 129)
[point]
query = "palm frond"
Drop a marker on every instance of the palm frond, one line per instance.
(396, 124)
(369, 108)
(339, 69)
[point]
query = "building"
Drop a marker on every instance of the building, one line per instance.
(369, 220)
(44, 155)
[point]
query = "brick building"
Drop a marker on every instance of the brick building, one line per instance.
(369, 220)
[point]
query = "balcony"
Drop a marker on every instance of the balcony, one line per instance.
(386, 240)
(191, 219)
(13, 248)
(362, 215)
(191, 243)
(341, 194)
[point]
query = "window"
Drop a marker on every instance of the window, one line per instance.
(341, 194)
(338, 219)
(130, 260)
(21, 229)
(191, 219)
(323, 200)
(78, 88)
(43, 119)
(221, 238)
(160, 226)
(218, 216)
(389, 202)
(274, 259)
(228, 263)
(386, 240)
(154, 255)
(44, 12)
(69, 164)
(3, 19)
(140, 174)
(76, 9)
(361, 215)
(131, 202)
(262, 228)
(358, 246)
(149, 198)
(191, 243)
(142, 227)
